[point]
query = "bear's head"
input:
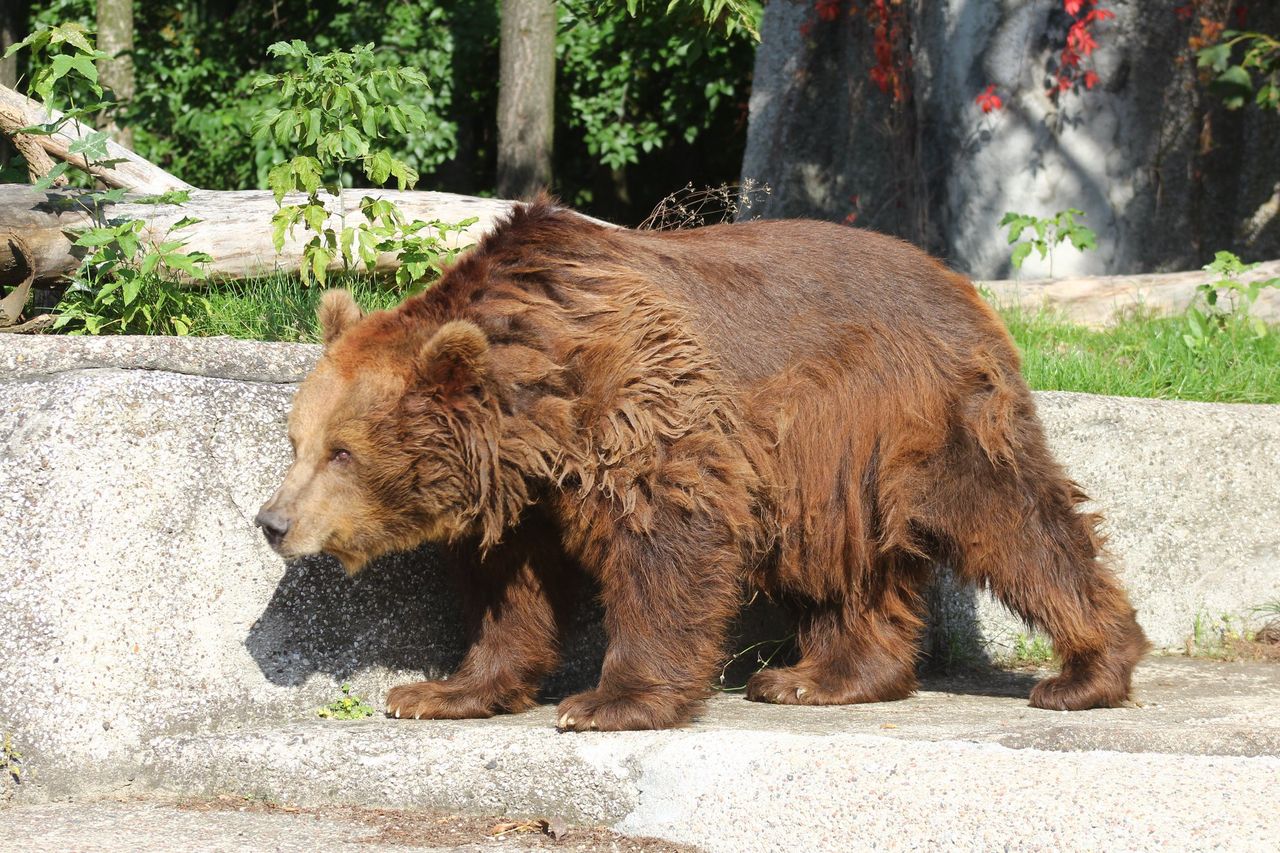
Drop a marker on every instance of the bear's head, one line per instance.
(394, 437)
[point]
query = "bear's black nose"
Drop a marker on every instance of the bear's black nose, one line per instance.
(274, 526)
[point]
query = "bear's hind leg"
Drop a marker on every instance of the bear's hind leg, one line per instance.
(1019, 532)
(858, 649)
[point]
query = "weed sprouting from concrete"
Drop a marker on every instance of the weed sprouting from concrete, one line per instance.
(763, 659)
(1033, 649)
(10, 761)
(345, 707)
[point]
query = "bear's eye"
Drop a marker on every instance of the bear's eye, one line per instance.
(340, 455)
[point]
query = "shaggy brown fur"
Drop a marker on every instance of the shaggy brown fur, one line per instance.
(819, 411)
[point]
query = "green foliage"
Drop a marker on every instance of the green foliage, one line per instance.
(633, 90)
(345, 707)
(275, 308)
(124, 286)
(1217, 639)
(337, 108)
(1033, 649)
(62, 57)
(1048, 233)
(1145, 356)
(1224, 303)
(423, 248)
(729, 15)
(639, 99)
(1255, 75)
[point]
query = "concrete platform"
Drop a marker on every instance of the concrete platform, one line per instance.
(965, 765)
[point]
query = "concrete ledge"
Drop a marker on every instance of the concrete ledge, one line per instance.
(965, 764)
(155, 643)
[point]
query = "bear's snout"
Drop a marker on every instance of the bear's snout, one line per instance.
(274, 526)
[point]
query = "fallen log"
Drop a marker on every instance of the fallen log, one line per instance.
(1098, 300)
(123, 169)
(234, 227)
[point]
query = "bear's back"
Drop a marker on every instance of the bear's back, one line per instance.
(768, 295)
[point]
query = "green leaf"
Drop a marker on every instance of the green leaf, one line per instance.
(95, 237)
(128, 243)
(319, 263)
(378, 167)
(307, 173)
(404, 175)
(1234, 86)
(281, 221)
(314, 215)
(62, 65)
(130, 290)
(1019, 255)
(1216, 57)
(280, 180)
(56, 172)
(37, 41)
(186, 264)
(1083, 238)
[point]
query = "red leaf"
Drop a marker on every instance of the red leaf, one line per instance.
(1072, 6)
(988, 100)
(1090, 79)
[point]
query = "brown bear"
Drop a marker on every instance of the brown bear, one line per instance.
(814, 411)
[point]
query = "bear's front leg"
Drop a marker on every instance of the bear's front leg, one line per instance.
(668, 596)
(517, 599)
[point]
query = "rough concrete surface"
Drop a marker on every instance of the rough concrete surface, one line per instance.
(235, 824)
(964, 765)
(155, 644)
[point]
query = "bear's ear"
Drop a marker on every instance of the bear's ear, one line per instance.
(337, 313)
(456, 359)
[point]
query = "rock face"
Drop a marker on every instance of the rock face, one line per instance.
(140, 601)
(1164, 174)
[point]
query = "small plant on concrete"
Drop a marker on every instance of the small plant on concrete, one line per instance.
(345, 707)
(10, 760)
(1224, 302)
(1216, 639)
(766, 651)
(1047, 233)
(1033, 649)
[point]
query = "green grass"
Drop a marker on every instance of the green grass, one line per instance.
(1144, 356)
(279, 308)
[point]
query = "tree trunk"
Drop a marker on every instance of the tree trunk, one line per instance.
(526, 96)
(115, 73)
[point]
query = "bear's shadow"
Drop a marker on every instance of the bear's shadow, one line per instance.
(402, 613)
